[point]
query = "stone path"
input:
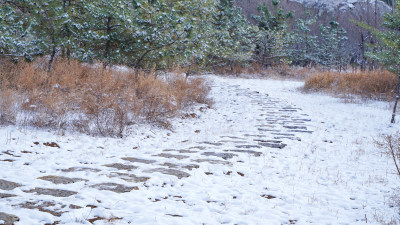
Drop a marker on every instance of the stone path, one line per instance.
(279, 124)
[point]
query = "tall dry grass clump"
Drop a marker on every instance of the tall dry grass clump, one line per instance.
(377, 84)
(91, 99)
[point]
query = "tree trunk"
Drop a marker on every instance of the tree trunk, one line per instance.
(396, 101)
(52, 56)
(108, 43)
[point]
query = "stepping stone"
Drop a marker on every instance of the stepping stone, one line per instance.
(145, 161)
(117, 188)
(255, 153)
(296, 127)
(129, 177)
(79, 169)
(8, 219)
(221, 155)
(120, 166)
(198, 147)
(232, 137)
(191, 166)
(43, 207)
(212, 161)
(8, 185)
(61, 180)
(5, 195)
(168, 156)
(248, 146)
(211, 143)
(170, 165)
(283, 134)
(180, 151)
(301, 131)
(273, 145)
(268, 130)
(52, 192)
(231, 141)
(177, 173)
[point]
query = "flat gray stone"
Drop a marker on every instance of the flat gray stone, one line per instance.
(212, 161)
(272, 145)
(255, 153)
(117, 188)
(8, 185)
(61, 180)
(211, 143)
(8, 218)
(174, 172)
(129, 177)
(79, 169)
(168, 156)
(52, 192)
(134, 160)
(191, 166)
(296, 127)
(248, 146)
(5, 195)
(45, 206)
(221, 155)
(120, 166)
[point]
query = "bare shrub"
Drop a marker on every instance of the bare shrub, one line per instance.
(91, 99)
(390, 144)
(368, 85)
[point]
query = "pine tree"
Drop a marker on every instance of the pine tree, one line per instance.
(273, 38)
(332, 44)
(305, 49)
(231, 35)
(389, 52)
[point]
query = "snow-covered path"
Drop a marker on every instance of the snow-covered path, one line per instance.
(263, 154)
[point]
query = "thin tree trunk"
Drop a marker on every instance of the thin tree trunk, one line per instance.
(108, 43)
(52, 56)
(396, 101)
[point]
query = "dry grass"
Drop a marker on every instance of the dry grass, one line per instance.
(281, 71)
(377, 85)
(91, 99)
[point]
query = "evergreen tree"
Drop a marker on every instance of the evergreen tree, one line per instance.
(389, 52)
(274, 38)
(332, 51)
(305, 49)
(231, 35)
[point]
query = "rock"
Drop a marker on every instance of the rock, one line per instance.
(8, 218)
(52, 192)
(120, 166)
(221, 155)
(145, 161)
(177, 173)
(168, 155)
(8, 185)
(117, 188)
(61, 180)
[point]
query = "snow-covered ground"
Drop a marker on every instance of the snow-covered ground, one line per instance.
(265, 153)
